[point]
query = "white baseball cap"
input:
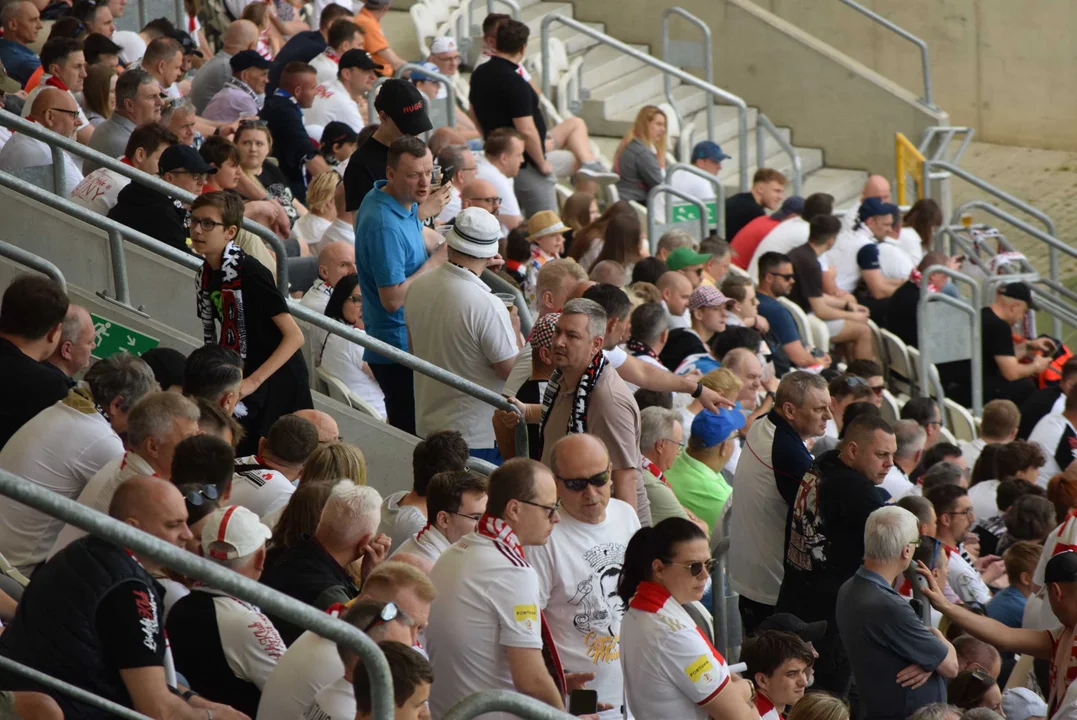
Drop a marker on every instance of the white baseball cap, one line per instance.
(233, 532)
(442, 44)
(1021, 704)
(475, 232)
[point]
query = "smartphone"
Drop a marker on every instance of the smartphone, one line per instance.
(583, 702)
(447, 175)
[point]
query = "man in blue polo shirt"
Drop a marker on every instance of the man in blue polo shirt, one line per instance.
(776, 278)
(21, 22)
(390, 252)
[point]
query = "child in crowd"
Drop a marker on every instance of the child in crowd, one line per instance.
(239, 293)
(412, 677)
(545, 232)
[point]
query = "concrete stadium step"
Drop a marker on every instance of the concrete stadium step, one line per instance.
(575, 41)
(689, 100)
(603, 64)
(629, 92)
(844, 185)
(811, 159)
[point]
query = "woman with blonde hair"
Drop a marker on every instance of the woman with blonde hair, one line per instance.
(640, 159)
(335, 461)
(722, 381)
(321, 210)
(99, 93)
(820, 706)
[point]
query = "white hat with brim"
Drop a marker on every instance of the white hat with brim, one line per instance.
(475, 232)
(233, 532)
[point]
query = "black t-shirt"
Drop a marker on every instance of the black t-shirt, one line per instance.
(276, 185)
(29, 388)
(997, 338)
(682, 343)
(740, 209)
(366, 166)
(499, 94)
(1035, 408)
(809, 276)
(128, 620)
(901, 318)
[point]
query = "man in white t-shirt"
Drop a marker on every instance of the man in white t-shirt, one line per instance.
(56, 110)
(225, 647)
(65, 68)
(1057, 437)
(99, 191)
(342, 37)
(335, 260)
(953, 508)
(708, 157)
(264, 482)
(337, 97)
(455, 502)
(910, 439)
(578, 568)
(485, 627)
(156, 424)
(63, 446)
(457, 323)
(500, 162)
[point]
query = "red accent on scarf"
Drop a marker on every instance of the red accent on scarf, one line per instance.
(56, 82)
(653, 470)
(650, 597)
(916, 277)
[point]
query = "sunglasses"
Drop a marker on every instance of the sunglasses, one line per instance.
(783, 276)
(697, 568)
(580, 484)
(208, 492)
(550, 509)
(877, 390)
(387, 615)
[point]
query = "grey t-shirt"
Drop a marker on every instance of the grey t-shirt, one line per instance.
(882, 636)
(209, 80)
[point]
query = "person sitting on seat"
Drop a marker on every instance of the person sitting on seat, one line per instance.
(342, 98)
(768, 188)
(100, 190)
(242, 94)
(22, 23)
(776, 279)
(369, 20)
(56, 110)
(64, 63)
(138, 102)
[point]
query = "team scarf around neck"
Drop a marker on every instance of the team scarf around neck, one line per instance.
(917, 277)
(81, 398)
(577, 417)
(233, 328)
(638, 348)
(505, 540)
(234, 82)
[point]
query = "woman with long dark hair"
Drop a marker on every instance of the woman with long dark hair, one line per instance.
(342, 358)
(587, 242)
(974, 689)
(672, 670)
(623, 242)
(918, 228)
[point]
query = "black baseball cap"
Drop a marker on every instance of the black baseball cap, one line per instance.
(1018, 291)
(358, 59)
(338, 132)
(190, 47)
(787, 622)
(246, 59)
(1062, 568)
(404, 105)
(183, 157)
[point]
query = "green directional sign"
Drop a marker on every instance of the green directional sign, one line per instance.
(688, 211)
(110, 338)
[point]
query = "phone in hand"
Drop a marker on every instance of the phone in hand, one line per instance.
(583, 702)
(447, 175)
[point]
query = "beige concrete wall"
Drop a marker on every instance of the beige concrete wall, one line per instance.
(829, 99)
(1004, 67)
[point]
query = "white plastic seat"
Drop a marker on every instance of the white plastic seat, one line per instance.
(962, 424)
(820, 332)
(439, 10)
(897, 359)
(880, 346)
(734, 270)
(425, 26)
(947, 436)
(342, 393)
(801, 319)
(890, 409)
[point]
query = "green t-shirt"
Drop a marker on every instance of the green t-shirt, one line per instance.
(698, 488)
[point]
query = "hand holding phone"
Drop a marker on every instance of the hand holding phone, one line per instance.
(583, 702)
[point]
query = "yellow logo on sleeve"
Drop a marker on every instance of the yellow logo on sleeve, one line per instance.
(699, 669)
(525, 612)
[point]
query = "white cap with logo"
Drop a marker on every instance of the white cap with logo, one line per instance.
(442, 44)
(233, 532)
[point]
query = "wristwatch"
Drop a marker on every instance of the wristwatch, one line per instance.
(698, 390)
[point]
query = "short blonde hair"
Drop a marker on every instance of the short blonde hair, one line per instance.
(820, 706)
(722, 381)
(321, 191)
(335, 461)
(390, 577)
(553, 274)
(643, 292)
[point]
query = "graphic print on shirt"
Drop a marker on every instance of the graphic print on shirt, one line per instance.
(806, 539)
(1066, 450)
(147, 618)
(599, 607)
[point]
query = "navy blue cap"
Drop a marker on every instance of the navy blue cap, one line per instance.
(712, 428)
(793, 205)
(246, 59)
(873, 207)
(707, 150)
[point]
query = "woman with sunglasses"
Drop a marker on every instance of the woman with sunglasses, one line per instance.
(342, 358)
(670, 669)
(974, 689)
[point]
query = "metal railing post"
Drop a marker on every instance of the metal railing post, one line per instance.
(450, 97)
(708, 65)
(119, 266)
(719, 189)
(670, 190)
(925, 62)
(59, 171)
(501, 700)
(926, 298)
(193, 566)
(34, 262)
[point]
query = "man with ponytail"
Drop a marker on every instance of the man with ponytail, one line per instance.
(486, 630)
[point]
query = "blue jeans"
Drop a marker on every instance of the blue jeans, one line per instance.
(490, 455)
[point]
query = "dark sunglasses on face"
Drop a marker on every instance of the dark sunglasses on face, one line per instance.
(783, 276)
(580, 484)
(696, 568)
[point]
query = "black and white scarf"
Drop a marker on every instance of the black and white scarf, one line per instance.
(638, 348)
(577, 417)
(233, 326)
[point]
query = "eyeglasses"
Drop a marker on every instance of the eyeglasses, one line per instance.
(387, 615)
(72, 113)
(877, 390)
(783, 276)
(356, 299)
(196, 498)
(855, 381)
(206, 224)
(916, 542)
(697, 567)
(476, 517)
(967, 512)
(682, 444)
(551, 510)
(491, 200)
(580, 484)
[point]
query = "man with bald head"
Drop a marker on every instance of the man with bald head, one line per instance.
(111, 641)
(328, 431)
(745, 365)
(56, 110)
(579, 565)
(676, 291)
(211, 77)
(72, 353)
(335, 260)
(21, 22)
(876, 186)
(480, 193)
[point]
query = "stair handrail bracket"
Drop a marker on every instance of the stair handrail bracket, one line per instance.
(925, 61)
(687, 78)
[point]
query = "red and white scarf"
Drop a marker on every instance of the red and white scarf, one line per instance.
(653, 470)
(917, 277)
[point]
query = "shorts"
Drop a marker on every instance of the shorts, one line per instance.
(535, 191)
(835, 327)
(563, 162)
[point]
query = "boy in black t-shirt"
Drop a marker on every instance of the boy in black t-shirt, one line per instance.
(239, 293)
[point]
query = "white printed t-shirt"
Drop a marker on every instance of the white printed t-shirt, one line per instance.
(965, 581)
(1055, 436)
(670, 669)
(578, 569)
(505, 186)
(333, 702)
(310, 664)
(332, 102)
(258, 488)
(428, 543)
(252, 646)
(23, 151)
(488, 599)
(100, 190)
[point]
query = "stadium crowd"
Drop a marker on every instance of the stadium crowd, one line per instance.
(670, 401)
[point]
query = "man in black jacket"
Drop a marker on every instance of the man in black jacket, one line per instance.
(283, 113)
(825, 536)
(156, 214)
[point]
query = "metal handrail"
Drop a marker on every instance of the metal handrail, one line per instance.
(450, 97)
(687, 78)
(719, 189)
(708, 65)
(665, 189)
(926, 298)
(945, 134)
(84, 696)
(892, 27)
(195, 567)
(34, 262)
(490, 701)
(786, 146)
(39, 132)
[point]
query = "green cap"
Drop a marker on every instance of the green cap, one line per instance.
(684, 257)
